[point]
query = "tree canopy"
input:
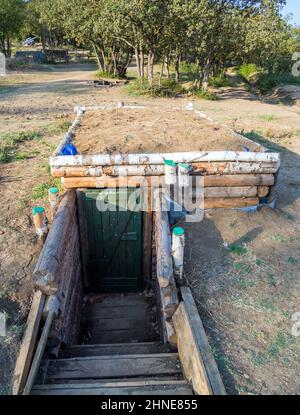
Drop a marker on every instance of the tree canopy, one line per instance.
(212, 34)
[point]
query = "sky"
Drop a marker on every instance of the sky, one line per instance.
(293, 6)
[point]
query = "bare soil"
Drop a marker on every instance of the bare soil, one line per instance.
(243, 267)
(150, 130)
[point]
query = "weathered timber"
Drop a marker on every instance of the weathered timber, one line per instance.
(103, 367)
(169, 299)
(105, 182)
(159, 158)
(28, 343)
(263, 191)
(46, 273)
(234, 167)
(218, 203)
(203, 168)
(163, 246)
(196, 345)
(245, 191)
(239, 180)
(147, 238)
(190, 353)
(51, 312)
(141, 387)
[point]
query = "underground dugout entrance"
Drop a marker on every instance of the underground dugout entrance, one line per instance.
(111, 341)
(112, 240)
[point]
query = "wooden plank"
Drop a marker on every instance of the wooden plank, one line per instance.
(38, 354)
(83, 237)
(230, 192)
(136, 334)
(28, 343)
(219, 203)
(191, 317)
(147, 238)
(139, 388)
(106, 324)
(113, 349)
(114, 366)
(159, 158)
(91, 312)
(190, 353)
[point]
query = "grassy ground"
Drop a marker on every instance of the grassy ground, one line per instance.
(243, 268)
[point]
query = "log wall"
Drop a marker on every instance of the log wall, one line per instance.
(243, 179)
(228, 184)
(59, 271)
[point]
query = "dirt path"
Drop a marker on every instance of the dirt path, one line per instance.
(243, 267)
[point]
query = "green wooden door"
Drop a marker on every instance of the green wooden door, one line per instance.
(113, 251)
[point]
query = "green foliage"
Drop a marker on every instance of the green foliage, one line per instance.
(11, 19)
(238, 250)
(167, 88)
(10, 141)
(247, 70)
(103, 74)
(208, 95)
(220, 81)
(40, 191)
(267, 82)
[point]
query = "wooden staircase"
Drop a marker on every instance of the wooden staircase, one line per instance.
(113, 369)
(122, 354)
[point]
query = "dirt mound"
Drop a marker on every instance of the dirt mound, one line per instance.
(151, 130)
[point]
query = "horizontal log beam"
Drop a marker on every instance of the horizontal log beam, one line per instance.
(46, 274)
(217, 192)
(218, 203)
(239, 180)
(105, 182)
(159, 158)
(209, 168)
(203, 168)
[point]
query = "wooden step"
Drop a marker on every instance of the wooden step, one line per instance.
(101, 367)
(113, 349)
(134, 387)
(136, 334)
(140, 310)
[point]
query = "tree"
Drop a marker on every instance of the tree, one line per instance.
(11, 20)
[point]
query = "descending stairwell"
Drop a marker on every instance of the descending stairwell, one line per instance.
(136, 366)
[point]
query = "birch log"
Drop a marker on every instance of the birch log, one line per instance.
(159, 158)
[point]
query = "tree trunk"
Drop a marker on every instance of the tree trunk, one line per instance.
(206, 75)
(161, 73)
(177, 74)
(138, 61)
(150, 67)
(168, 67)
(142, 63)
(99, 61)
